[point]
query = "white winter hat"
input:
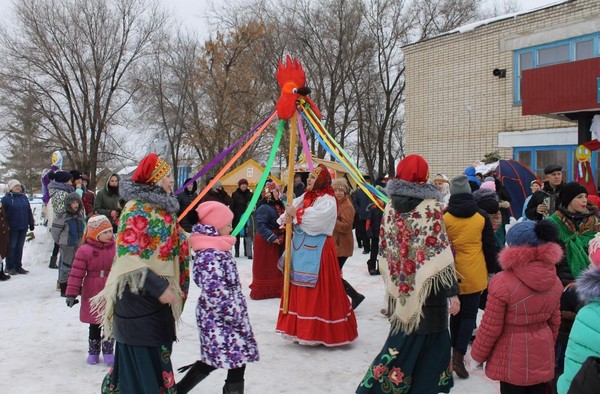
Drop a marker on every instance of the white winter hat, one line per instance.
(12, 183)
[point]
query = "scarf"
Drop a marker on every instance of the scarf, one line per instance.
(575, 231)
(321, 187)
(148, 238)
(207, 237)
(417, 259)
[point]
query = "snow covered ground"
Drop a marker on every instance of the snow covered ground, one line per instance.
(44, 346)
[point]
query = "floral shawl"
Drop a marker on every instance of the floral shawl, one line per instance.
(417, 258)
(148, 238)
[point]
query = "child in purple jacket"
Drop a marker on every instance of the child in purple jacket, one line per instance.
(87, 278)
(226, 338)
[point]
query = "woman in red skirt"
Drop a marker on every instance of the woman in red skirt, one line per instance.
(267, 280)
(319, 311)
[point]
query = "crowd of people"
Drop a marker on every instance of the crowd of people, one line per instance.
(127, 253)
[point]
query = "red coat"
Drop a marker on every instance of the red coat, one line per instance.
(520, 324)
(89, 272)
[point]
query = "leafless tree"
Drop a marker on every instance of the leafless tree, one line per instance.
(74, 58)
(166, 93)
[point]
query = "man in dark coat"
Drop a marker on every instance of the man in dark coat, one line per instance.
(361, 202)
(185, 198)
(3, 242)
(543, 203)
(240, 199)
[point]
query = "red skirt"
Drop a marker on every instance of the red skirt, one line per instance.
(320, 315)
(267, 280)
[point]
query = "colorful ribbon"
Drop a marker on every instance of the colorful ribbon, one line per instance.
(263, 179)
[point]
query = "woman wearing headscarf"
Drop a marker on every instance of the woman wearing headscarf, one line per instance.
(107, 201)
(267, 280)
(417, 267)
(319, 312)
(147, 285)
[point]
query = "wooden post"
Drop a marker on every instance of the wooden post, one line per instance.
(288, 226)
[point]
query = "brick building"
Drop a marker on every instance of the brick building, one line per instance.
(502, 84)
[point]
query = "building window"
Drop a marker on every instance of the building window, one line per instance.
(524, 157)
(538, 157)
(584, 49)
(573, 49)
(546, 157)
(553, 55)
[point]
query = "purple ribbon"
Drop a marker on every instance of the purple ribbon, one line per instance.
(221, 155)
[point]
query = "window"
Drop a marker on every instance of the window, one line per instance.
(584, 49)
(545, 157)
(524, 157)
(553, 55)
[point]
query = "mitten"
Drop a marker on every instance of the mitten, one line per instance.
(71, 301)
(31, 227)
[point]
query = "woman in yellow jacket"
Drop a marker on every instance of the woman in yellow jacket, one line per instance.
(472, 236)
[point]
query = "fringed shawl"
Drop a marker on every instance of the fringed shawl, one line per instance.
(417, 260)
(148, 238)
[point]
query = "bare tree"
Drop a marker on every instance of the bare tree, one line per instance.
(166, 94)
(75, 59)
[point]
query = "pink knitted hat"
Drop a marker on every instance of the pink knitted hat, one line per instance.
(214, 214)
(489, 185)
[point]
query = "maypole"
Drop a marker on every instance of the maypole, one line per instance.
(288, 225)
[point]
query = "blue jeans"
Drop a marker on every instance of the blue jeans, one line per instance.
(16, 241)
(462, 325)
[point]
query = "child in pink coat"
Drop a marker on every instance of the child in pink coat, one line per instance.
(89, 272)
(520, 324)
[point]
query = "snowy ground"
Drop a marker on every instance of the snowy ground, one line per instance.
(44, 346)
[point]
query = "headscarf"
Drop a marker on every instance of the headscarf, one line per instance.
(321, 187)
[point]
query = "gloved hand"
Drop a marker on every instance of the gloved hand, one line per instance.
(31, 227)
(71, 301)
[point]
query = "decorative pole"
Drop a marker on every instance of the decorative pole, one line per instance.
(289, 226)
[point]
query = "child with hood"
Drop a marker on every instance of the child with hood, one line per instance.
(67, 230)
(520, 324)
(226, 337)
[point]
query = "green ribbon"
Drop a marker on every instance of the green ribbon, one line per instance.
(263, 179)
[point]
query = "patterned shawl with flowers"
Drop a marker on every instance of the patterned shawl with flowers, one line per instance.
(417, 258)
(148, 238)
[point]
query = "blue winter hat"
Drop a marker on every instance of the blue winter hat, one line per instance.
(531, 233)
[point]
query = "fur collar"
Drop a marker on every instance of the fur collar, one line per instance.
(588, 285)
(534, 265)
(423, 191)
(152, 194)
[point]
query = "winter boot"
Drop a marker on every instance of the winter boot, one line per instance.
(3, 276)
(53, 264)
(458, 364)
(107, 352)
(197, 372)
(93, 351)
(63, 289)
(356, 297)
(234, 388)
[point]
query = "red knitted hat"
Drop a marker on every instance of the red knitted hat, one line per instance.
(413, 168)
(151, 169)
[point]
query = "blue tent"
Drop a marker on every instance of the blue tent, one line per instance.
(516, 179)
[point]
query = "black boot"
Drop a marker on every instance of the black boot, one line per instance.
(357, 298)
(197, 372)
(63, 289)
(232, 388)
(53, 264)
(458, 364)
(3, 276)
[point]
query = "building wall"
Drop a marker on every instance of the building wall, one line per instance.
(455, 107)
